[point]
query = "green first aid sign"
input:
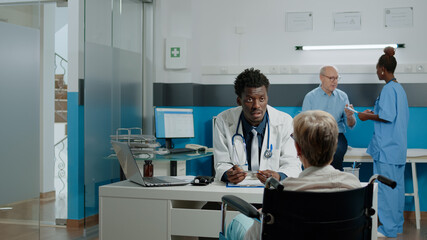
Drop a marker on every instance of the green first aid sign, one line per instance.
(175, 52)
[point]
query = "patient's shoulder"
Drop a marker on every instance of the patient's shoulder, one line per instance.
(322, 179)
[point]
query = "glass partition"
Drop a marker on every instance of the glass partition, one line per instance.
(113, 87)
(20, 121)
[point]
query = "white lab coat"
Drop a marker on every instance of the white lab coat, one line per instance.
(284, 158)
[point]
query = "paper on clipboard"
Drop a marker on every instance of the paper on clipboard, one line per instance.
(247, 183)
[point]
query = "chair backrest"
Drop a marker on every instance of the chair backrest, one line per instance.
(317, 215)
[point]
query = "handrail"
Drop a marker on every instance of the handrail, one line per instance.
(61, 57)
(60, 141)
(61, 166)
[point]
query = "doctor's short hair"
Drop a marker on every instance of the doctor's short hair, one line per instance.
(252, 78)
(316, 132)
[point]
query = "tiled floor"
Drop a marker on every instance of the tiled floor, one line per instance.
(410, 232)
(21, 222)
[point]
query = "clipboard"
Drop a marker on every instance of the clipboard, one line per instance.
(247, 183)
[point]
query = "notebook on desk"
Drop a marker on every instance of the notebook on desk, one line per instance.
(131, 170)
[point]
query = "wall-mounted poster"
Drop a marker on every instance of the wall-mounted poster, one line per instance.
(347, 21)
(299, 21)
(399, 17)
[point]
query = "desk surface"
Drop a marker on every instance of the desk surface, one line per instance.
(360, 155)
(167, 157)
(211, 192)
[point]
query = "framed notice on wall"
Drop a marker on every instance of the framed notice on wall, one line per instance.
(398, 17)
(299, 21)
(176, 53)
(347, 21)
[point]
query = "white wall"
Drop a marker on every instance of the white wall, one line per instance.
(61, 41)
(214, 46)
(20, 14)
(75, 44)
(29, 16)
(61, 47)
(148, 69)
(47, 99)
(20, 119)
(61, 17)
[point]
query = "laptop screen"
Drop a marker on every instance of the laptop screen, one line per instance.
(127, 162)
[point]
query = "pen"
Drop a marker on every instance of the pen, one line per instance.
(235, 166)
(354, 165)
(260, 173)
(352, 109)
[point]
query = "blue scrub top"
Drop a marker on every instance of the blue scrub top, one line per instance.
(317, 99)
(389, 142)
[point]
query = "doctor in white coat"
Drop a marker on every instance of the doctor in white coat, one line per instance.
(236, 128)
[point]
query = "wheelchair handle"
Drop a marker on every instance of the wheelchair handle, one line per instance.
(271, 181)
(385, 180)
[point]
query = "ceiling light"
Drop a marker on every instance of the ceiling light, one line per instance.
(349, 47)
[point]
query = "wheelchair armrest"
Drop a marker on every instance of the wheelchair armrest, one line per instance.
(241, 206)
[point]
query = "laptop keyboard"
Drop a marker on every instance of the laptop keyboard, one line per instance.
(154, 180)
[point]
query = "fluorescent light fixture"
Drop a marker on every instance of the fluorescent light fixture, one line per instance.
(349, 47)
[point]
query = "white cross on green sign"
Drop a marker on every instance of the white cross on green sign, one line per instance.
(175, 52)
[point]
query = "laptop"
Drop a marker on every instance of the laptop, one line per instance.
(132, 172)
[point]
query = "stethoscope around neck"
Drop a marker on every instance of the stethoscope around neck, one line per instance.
(268, 152)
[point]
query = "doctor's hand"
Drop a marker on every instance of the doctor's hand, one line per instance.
(235, 174)
(263, 175)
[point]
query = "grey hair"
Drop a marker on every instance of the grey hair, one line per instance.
(316, 132)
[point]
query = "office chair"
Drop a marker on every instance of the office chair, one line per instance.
(310, 215)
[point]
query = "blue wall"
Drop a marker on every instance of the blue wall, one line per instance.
(75, 157)
(357, 137)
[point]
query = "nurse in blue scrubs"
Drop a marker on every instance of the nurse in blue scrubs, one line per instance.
(389, 143)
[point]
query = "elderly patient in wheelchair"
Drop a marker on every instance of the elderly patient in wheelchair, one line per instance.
(316, 137)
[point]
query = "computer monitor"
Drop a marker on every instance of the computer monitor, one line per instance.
(174, 122)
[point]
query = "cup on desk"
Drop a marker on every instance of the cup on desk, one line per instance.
(354, 171)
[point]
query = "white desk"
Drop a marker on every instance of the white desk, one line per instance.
(414, 156)
(129, 211)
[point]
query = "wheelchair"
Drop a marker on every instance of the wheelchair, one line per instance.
(310, 215)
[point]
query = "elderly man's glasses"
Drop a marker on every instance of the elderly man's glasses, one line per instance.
(332, 78)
